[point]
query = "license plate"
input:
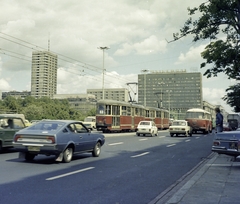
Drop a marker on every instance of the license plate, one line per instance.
(33, 149)
(232, 145)
(177, 128)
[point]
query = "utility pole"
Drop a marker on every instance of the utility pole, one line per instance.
(103, 49)
(144, 71)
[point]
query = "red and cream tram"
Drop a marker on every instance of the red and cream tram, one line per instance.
(119, 116)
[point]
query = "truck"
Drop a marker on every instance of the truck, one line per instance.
(9, 125)
(233, 121)
(90, 122)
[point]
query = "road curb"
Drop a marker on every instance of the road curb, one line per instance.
(176, 191)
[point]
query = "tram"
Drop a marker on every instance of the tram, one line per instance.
(120, 116)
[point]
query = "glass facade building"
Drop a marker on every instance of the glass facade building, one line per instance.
(176, 91)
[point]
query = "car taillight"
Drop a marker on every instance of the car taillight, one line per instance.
(17, 137)
(50, 139)
(183, 128)
(216, 143)
(170, 129)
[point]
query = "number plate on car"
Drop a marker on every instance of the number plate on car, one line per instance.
(232, 145)
(33, 149)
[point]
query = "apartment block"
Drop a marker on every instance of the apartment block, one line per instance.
(44, 74)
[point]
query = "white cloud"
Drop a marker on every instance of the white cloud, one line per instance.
(5, 86)
(193, 55)
(136, 31)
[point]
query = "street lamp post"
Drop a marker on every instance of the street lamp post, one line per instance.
(161, 93)
(103, 49)
(144, 71)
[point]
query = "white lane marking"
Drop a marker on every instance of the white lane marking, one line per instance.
(139, 155)
(143, 139)
(161, 136)
(70, 173)
(197, 137)
(187, 140)
(117, 143)
(171, 145)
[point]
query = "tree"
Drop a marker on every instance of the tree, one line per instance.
(233, 97)
(220, 23)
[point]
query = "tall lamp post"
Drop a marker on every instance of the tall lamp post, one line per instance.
(169, 101)
(161, 93)
(103, 49)
(144, 71)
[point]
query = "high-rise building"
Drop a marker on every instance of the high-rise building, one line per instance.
(176, 91)
(44, 74)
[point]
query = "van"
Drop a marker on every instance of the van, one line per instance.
(90, 122)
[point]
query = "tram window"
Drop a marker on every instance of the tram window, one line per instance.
(108, 110)
(101, 109)
(124, 110)
(128, 110)
(152, 114)
(136, 112)
(116, 110)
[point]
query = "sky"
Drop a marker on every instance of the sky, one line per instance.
(137, 33)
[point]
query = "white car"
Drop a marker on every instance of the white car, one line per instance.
(147, 128)
(180, 127)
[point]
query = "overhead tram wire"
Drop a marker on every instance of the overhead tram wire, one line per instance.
(46, 50)
(99, 70)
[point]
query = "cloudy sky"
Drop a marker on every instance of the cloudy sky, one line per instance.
(136, 31)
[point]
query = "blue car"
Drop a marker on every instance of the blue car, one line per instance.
(227, 143)
(62, 138)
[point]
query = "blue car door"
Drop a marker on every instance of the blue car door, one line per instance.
(84, 137)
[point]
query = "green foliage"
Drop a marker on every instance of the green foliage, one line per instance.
(233, 97)
(219, 22)
(43, 108)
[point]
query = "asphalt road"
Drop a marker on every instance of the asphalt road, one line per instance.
(129, 170)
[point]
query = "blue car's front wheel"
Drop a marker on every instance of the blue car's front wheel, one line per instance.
(97, 150)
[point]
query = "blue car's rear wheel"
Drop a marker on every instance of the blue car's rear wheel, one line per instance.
(67, 155)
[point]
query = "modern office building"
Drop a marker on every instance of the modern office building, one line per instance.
(118, 94)
(44, 74)
(176, 91)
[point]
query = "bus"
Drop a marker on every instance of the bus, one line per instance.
(199, 120)
(120, 116)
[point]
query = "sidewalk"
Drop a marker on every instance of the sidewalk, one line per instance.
(215, 182)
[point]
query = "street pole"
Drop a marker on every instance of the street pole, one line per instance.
(161, 93)
(144, 88)
(103, 73)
